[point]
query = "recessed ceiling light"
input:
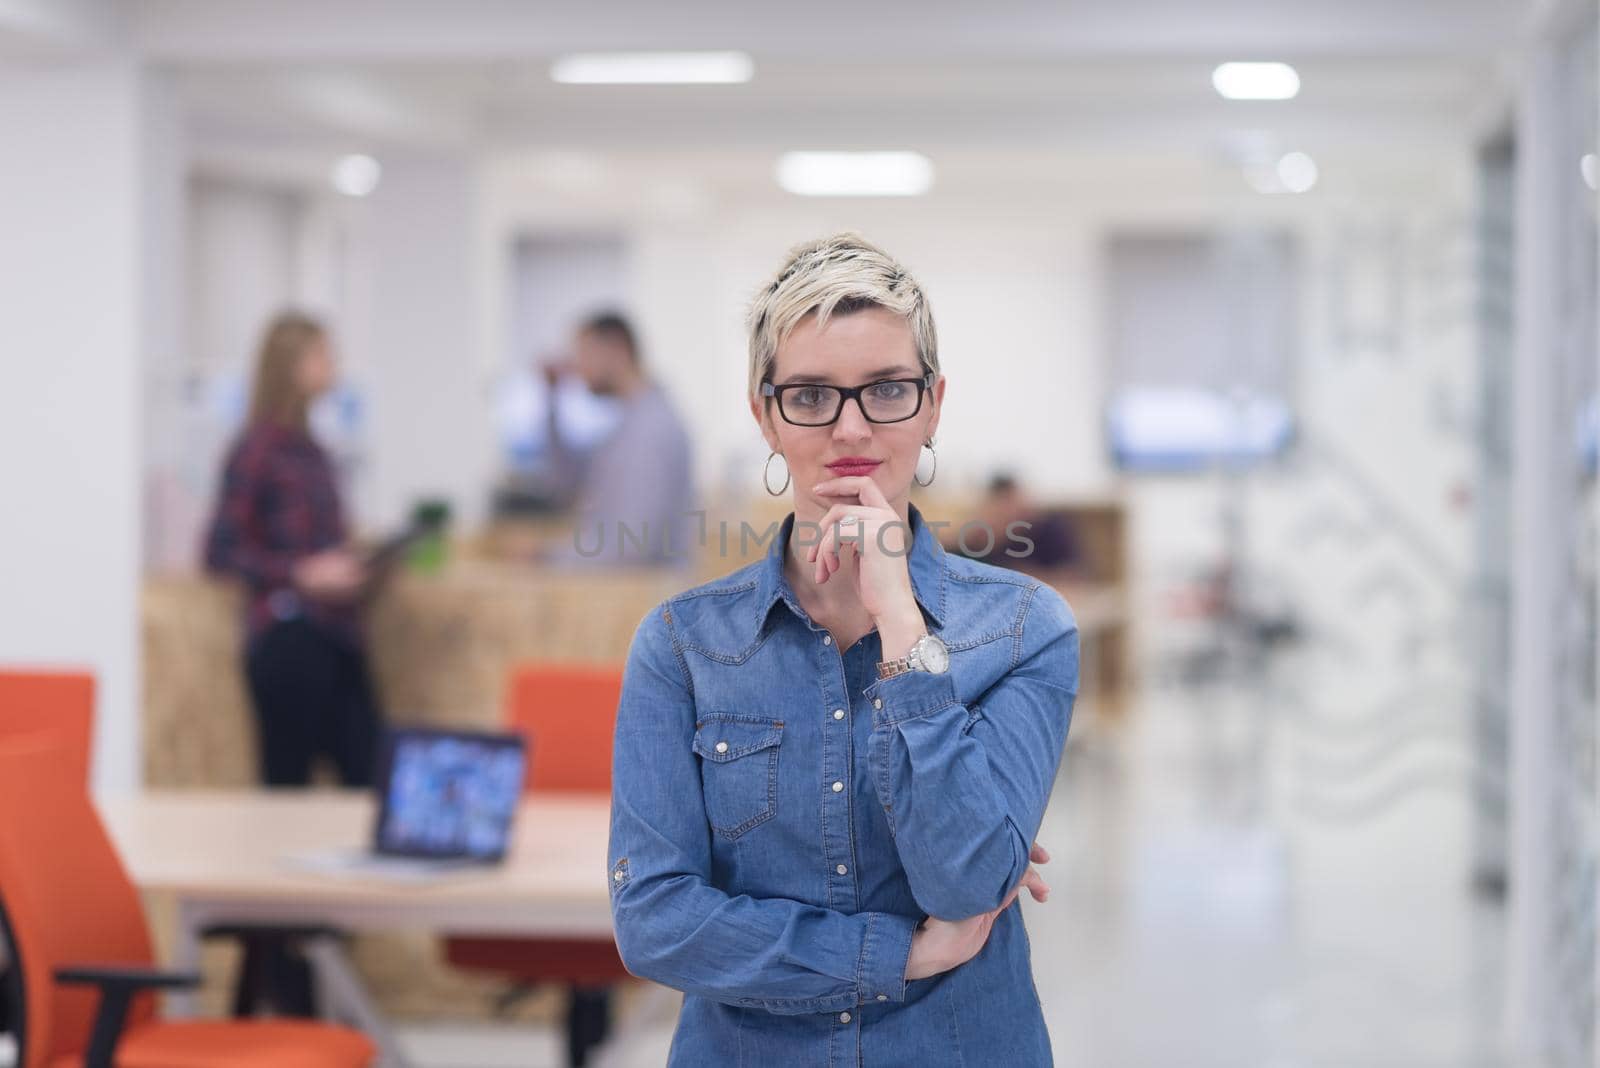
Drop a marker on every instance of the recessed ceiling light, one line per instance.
(1256, 81)
(653, 68)
(1298, 172)
(356, 176)
(855, 174)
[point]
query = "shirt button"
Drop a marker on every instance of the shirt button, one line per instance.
(827, 639)
(842, 870)
(883, 997)
(844, 1017)
(877, 702)
(722, 747)
(838, 786)
(838, 713)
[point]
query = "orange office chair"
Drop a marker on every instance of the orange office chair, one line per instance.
(78, 933)
(31, 701)
(62, 702)
(569, 714)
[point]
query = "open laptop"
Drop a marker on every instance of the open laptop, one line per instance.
(447, 801)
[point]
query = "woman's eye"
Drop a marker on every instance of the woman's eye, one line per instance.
(806, 398)
(888, 391)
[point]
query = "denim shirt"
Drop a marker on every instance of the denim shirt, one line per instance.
(782, 820)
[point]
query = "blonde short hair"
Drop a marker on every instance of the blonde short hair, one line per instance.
(835, 275)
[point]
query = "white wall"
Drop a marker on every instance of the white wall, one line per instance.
(1009, 291)
(416, 330)
(396, 277)
(428, 297)
(1365, 533)
(1015, 276)
(44, 29)
(237, 247)
(241, 252)
(72, 175)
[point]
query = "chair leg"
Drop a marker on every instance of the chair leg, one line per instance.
(274, 972)
(251, 984)
(293, 990)
(588, 1022)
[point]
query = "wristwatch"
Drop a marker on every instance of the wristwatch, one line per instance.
(928, 654)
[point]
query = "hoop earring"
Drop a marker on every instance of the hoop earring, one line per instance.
(766, 477)
(931, 452)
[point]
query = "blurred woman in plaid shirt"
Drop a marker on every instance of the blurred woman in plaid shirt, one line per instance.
(279, 527)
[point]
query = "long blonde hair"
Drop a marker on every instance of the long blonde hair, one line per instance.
(276, 396)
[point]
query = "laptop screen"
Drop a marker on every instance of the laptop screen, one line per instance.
(448, 793)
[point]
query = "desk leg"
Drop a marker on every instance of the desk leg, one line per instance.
(185, 1004)
(344, 998)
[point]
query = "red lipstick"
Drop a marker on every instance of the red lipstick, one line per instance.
(853, 465)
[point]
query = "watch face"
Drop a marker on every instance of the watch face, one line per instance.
(933, 655)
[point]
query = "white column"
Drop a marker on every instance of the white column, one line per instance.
(1542, 477)
(419, 337)
(76, 190)
(1594, 518)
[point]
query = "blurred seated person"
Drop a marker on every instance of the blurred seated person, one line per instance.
(1055, 542)
(641, 477)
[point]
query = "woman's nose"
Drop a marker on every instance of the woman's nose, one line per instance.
(852, 423)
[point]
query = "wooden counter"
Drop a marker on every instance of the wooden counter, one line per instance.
(441, 646)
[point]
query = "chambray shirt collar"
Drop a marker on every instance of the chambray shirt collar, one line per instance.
(926, 564)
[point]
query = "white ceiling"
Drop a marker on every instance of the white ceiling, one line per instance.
(231, 31)
(1136, 104)
(310, 78)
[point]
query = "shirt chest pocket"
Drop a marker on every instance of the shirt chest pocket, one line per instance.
(738, 769)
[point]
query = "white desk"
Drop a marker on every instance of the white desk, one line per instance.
(221, 857)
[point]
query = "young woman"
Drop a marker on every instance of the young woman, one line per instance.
(830, 764)
(279, 527)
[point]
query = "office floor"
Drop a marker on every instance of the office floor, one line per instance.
(1217, 910)
(1255, 873)
(1213, 906)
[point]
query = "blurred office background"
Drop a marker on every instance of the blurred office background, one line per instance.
(1305, 354)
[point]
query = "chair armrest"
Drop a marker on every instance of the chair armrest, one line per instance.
(129, 977)
(118, 984)
(287, 932)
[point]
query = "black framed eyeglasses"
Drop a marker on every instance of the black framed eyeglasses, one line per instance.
(892, 400)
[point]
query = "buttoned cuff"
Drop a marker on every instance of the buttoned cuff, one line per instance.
(910, 695)
(885, 953)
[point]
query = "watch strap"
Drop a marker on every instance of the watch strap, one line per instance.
(888, 669)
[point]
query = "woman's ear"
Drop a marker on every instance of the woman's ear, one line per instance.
(769, 433)
(937, 396)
